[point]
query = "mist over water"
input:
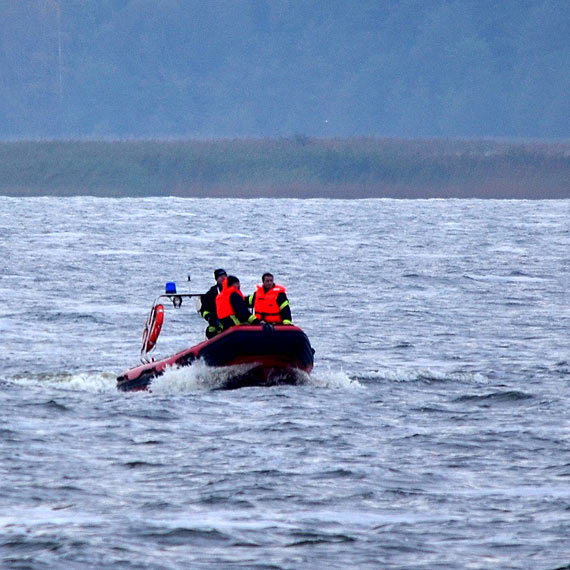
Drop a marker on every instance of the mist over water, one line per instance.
(432, 433)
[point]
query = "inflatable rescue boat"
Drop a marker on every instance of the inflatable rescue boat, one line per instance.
(261, 355)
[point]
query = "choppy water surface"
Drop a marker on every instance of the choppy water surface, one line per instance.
(433, 433)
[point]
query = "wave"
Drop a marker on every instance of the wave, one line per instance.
(202, 377)
(514, 276)
(423, 375)
(495, 397)
(195, 378)
(334, 379)
(87, 381)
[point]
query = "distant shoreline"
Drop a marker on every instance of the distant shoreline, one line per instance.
(297, 167)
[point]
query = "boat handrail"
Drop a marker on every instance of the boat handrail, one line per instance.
(172, 297)
(176, 299)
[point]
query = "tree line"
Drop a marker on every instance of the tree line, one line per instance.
(259, 68)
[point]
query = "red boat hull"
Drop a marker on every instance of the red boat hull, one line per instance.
(276, 355)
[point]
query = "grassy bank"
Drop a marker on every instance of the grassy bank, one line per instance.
(297, 167)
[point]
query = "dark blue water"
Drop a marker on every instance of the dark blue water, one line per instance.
(434, 431)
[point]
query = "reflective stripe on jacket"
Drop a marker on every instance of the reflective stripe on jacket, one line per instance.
(266, 307)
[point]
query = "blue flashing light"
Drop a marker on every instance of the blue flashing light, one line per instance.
(170, 287)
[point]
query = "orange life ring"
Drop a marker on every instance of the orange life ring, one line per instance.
(153, 327)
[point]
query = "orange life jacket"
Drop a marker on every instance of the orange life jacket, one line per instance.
(265, 306)
(223, 306)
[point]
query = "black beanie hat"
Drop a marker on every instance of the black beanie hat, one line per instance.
(219, 272)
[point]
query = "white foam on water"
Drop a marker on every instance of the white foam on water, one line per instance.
(333, 379)
(202, 377)
(423, 374)
(93, 382)
(89, 381)
(199, 376)
(46, 516)
(506, 278)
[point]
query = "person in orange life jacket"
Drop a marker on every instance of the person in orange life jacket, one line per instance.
(270, 303)
(208, 304)
(231, 305)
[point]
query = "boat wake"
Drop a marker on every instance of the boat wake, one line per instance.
(199, 376)
(88, 381)
(334, 380)
(195, 378)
